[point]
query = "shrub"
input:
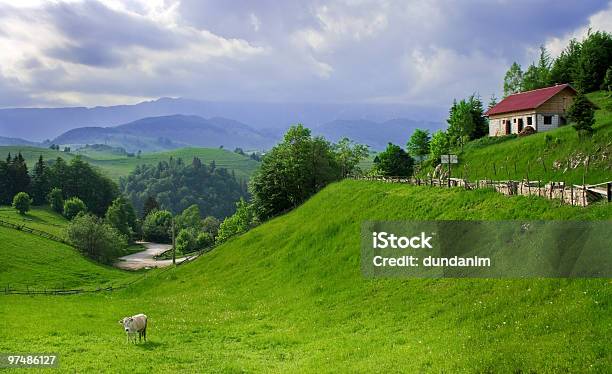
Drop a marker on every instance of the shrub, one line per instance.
(22, 202)
(74, 206)
(95, 237)
(185, 241)
(56, 200)
(204, 240)
(238, 223)
(156, 226)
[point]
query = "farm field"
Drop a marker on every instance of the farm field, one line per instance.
(116, 166)
(289, 296)
(514, 158)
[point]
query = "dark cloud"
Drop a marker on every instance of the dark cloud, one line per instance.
(288, 50)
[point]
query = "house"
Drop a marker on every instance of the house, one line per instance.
(542, 109)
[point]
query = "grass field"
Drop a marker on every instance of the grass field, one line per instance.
(36, 262)
(39, 218)
(483, 159)
(289, 296)
(116, 166)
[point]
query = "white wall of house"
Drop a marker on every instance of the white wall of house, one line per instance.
(545, 127)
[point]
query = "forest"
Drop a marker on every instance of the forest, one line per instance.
(177, 185)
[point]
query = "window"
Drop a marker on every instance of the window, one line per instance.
(520, 125)
(548, 120)
(514, 120)
(529, 121)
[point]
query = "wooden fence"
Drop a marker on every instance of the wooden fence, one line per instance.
(33, 231)
(575, 195)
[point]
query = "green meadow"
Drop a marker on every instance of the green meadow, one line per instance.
(116, 166)
(38, 218)
(289, 296)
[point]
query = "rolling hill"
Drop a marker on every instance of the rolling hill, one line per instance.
(557, 155)
(28, 260)
(116, 166)
(289, 296)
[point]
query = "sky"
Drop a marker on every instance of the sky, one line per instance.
(88, 53)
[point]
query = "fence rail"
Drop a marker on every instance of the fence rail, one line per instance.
(30, 230)
(575, 195)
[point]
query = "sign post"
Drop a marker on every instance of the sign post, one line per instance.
(449, 159)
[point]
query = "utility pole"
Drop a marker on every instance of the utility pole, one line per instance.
(173, 244)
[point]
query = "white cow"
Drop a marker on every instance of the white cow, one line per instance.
(135, 324)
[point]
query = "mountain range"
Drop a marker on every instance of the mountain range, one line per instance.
(169, 123)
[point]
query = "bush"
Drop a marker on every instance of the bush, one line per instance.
(185, 242)
(210, 225)
(204, 240)
(74, 206)
(121, 215)
(238, 223)
(56, 200)
(95, 238)
(394, 161)
(156, 226)
(22, 202)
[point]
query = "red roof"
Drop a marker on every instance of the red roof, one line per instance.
(526, 100)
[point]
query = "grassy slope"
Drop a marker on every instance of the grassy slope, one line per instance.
(117, 166)
(29, 260)
(477, 159)
(289, 296)
(39, 218)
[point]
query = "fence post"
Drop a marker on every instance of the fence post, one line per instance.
(572, 194)
(609, 191)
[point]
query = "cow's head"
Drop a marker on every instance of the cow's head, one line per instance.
(127, 323)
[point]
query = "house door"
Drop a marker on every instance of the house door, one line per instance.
(520, 124)
(508, 127)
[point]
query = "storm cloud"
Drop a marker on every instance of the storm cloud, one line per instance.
(414, 52)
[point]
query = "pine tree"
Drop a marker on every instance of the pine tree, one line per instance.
(582, 114)
(150, 205)
(513, 81)
(40, 182)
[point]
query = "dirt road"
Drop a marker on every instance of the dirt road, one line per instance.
(145, 259)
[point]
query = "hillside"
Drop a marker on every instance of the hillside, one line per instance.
(116, 166)
(28, 260)
(560, 158)
(39, 218)
(289, 296)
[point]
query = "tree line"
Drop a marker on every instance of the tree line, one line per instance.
(176, 185)
(586, 65)
(74, 179)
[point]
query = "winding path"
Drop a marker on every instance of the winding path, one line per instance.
(146, 258)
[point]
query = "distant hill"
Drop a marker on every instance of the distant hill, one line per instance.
(168, 132)
(116, 165)
(46, 123)
(374, 134)
(17, 141)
